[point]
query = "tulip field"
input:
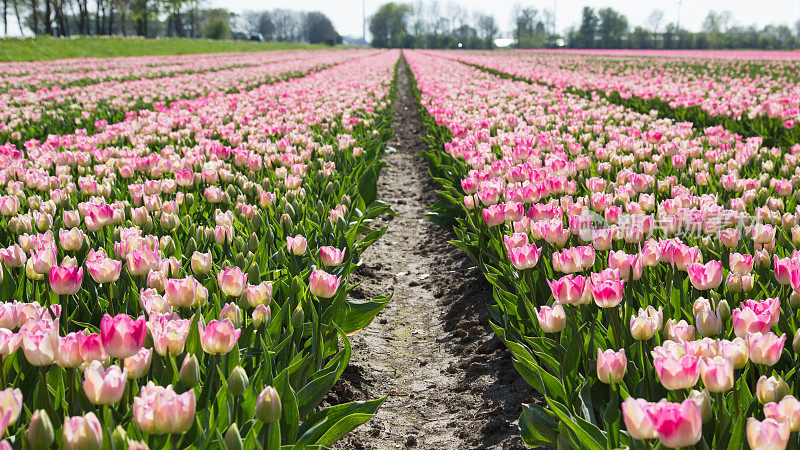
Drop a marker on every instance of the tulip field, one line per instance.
(180, 239)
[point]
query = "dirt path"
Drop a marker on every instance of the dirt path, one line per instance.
(449, 381)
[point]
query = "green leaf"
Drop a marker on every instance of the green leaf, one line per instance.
(326, 426)
(537, 425)
(589, 436)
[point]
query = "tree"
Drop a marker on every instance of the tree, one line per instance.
(218, 24)
(388, 25)
(612, 29)
(588, 28)
(487, 29)
(317, 29)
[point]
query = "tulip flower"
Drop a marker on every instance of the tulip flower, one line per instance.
(259, 294)
(10, 404)
(705, 276)
(611, 365)
(331, 256)
(69, 350)
(741, 264)
(767, 435)
(322, 284)
(66, 280)
(551, 319)
(787, 410)
(677, 424)
(268, 405)
(232, 281)
(524, 256)
(638, 422)
(82, 432)
(169, 334)
(180, 293)
(40, 344)
(770, 390)
(570, 289)
(765, 348)
(745, 321)
(92, 348)
(103, 270)
(218, 337)
(104, 386)
(160, 410)
(201, 262)
(717, 373)
(138, 365)
(121, 335)
(607, 293)
(296, 245)
(677, 373)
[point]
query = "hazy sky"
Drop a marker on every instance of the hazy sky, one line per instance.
(346, 14)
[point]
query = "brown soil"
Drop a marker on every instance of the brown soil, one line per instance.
(449, 380)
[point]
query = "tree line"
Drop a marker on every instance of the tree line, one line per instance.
(162, 18)
(428, 25)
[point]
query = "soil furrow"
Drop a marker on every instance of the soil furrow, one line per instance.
(448, 379)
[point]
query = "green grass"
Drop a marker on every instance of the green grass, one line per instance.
(43, 48)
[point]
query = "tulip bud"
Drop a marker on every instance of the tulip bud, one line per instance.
(703, 401)
(796, 342)
(253, 273)
(794, 299)
(708, 324)
(723, 310)
(190, 371)
(40, 431)
(233, 440)
(771, 389)
(119, 438)
(298, 317)
(268, 405)
(238, 381)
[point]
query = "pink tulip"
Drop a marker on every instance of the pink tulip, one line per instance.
(232, 281)
(768, 434)
(717, 373)
(11, 404)
(551, 319)
(646, 323)
(515, 240)
(746, 321)
(783, 269)
(259, 294)
(66, 280)
(680, 331)
(92, 348)
(637, 420)
(607, 293)
(138, 365)
(524, 256)
(13, 256)
(765, 348)
(729, 237)
(677, 373)
(570, 289)
(103, 269)
(629, 266)
(763, 233)
(69, 350)
(260, 314)
(741, 264)
(141, 262)
(705, 276)
(677, 424)
(218, 337)
(787, 410)
(121, 335)
(331, 256)
(40, 343)
(104, 386)
(611, 365)
(160, 410)
(82, 433)
(493, 215)
(322, 284)
(180, 293)
(169, 333)
(296, 245)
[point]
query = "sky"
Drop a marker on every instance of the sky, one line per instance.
(346, 14)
